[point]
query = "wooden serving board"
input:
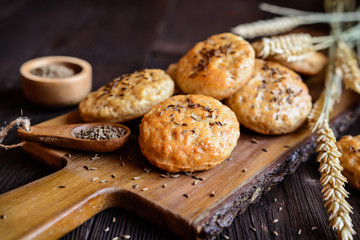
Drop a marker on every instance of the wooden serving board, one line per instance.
(54, 205)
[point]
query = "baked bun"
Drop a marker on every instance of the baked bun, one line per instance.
(349, 147)
(188, 133)
(127, 97)
(310, 65)
(216, 67)
(273, 101)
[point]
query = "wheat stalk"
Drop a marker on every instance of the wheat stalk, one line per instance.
(333, 181)
(347, 62)
(283, 24)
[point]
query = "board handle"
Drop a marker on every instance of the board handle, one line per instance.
(49, 207)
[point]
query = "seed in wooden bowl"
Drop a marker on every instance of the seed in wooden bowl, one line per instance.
(105, 132)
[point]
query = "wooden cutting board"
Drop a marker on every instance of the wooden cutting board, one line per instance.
(192, 206)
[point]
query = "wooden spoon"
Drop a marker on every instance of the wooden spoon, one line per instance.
(63, 136)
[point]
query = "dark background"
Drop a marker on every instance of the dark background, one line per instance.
(119, 37)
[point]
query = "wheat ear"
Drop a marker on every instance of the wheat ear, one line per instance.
(289, 47)
(283, 24)
(333, 181)
(347, 62)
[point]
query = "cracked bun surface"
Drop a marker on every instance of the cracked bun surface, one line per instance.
(188, 133)
(127, 97)
(216, 67)
(274, 100)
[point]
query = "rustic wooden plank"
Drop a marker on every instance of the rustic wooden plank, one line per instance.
(27, 170)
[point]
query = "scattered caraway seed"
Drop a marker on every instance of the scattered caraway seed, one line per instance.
(136, 178)
(314, 228)
(230, 158)
(280, 208)
(135, 186)
(95, 157)
(245, 169)
(164, 185)
(92, 168)
(175, 175)
(185, 195)
(106, 229)
(115, 238)
(147, 169)
(113, 176)
(275, 220)
(299, 232)
(122, 164)
(114, 219)
(226, 237)
(188, 173)
(252, 228)
(275, 233)
(86, 167)
(3, 216)
(264, 150)
(196, 182)
(68, 155)
(94, 179)
(104, 181)
(253, 140)
(145, 189)
(126, 236)
(164, 176)
(275, 199)
(287, 146)
(212, 194)
(62, 186)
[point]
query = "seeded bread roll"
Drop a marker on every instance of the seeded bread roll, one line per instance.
(216, 67)
(188, 133)
(349, 147)
(273, 101)
(310, 66)
(127, 97)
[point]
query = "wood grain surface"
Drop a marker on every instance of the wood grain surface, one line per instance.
(122, 36)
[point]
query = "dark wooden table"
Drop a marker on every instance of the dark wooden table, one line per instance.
(119, 37)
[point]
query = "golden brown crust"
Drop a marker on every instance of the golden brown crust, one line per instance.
(349, 147)
(188, 133)
(216, 67)
(311, 65)
(127, 97)
(273, 101)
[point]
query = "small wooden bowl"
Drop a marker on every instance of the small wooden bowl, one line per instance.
(56, 92)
